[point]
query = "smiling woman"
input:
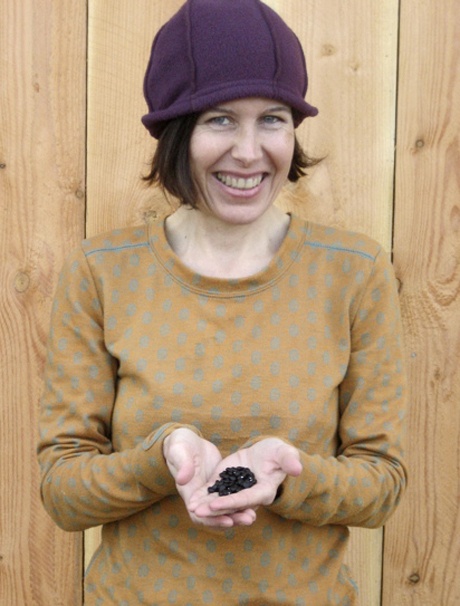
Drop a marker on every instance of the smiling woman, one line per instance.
(231, 335)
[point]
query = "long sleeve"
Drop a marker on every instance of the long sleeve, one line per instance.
(85, 482)
(362, 485)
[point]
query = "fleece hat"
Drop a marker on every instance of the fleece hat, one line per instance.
(212, 51)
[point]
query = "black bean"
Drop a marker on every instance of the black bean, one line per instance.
(233, 479)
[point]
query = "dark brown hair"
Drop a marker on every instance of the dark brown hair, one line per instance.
(170, 167)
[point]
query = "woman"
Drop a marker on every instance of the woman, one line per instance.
(230, 335)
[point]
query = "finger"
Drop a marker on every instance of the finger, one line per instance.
(289, 462)
(214, 521)
(244, 518)
(251, 498)
(186, 473)
(291, 466)
(182, 465)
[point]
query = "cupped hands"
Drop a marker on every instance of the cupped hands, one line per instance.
(195, 464)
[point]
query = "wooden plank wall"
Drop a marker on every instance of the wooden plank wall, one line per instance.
(380, 72)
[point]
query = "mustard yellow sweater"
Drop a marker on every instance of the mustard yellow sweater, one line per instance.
(308, 350)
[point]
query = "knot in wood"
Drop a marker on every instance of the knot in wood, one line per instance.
(21, 281)
(328, 50)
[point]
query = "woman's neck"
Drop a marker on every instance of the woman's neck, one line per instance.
(216, 249)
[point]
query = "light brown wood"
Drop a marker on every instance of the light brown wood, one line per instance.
(422, 542)
(119, 148)
(351, 56)
(92, 539)
(42, 54)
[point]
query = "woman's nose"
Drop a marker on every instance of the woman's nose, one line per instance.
(247, 146)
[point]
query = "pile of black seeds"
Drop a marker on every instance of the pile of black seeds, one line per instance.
(233, 479)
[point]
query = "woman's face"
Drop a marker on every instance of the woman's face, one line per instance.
(240, 154)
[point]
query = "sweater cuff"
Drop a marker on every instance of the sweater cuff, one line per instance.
(151, 469)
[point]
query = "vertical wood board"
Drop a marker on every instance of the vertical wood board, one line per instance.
(351, 57)
(422, 542)
(42, 128)
(119, 147)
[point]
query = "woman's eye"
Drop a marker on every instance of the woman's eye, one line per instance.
(219, 120)
(272, 119)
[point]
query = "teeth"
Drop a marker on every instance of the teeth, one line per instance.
(239, 182)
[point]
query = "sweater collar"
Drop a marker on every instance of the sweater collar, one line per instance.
(287, 254)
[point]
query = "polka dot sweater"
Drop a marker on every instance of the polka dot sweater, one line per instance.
(308, 350)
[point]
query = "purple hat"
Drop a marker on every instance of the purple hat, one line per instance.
(212, 51)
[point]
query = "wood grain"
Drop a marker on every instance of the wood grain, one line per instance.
(352, 57)
(119, 147)
(422, 542)
(42, 127)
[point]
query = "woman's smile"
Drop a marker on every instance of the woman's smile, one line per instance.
(239, 182)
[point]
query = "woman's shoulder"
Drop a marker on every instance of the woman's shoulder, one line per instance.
(125, 238)
(123, 245)
(338, 239)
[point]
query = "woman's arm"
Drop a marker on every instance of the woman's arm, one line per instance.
(363, 483)
(84, 482)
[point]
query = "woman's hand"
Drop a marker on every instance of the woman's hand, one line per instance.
(271, 460)
(192, 462)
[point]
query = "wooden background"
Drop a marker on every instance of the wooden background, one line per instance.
(385, 75)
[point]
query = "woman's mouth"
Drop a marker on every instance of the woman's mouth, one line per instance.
(240, 183)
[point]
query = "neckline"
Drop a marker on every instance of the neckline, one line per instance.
(287, 253)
